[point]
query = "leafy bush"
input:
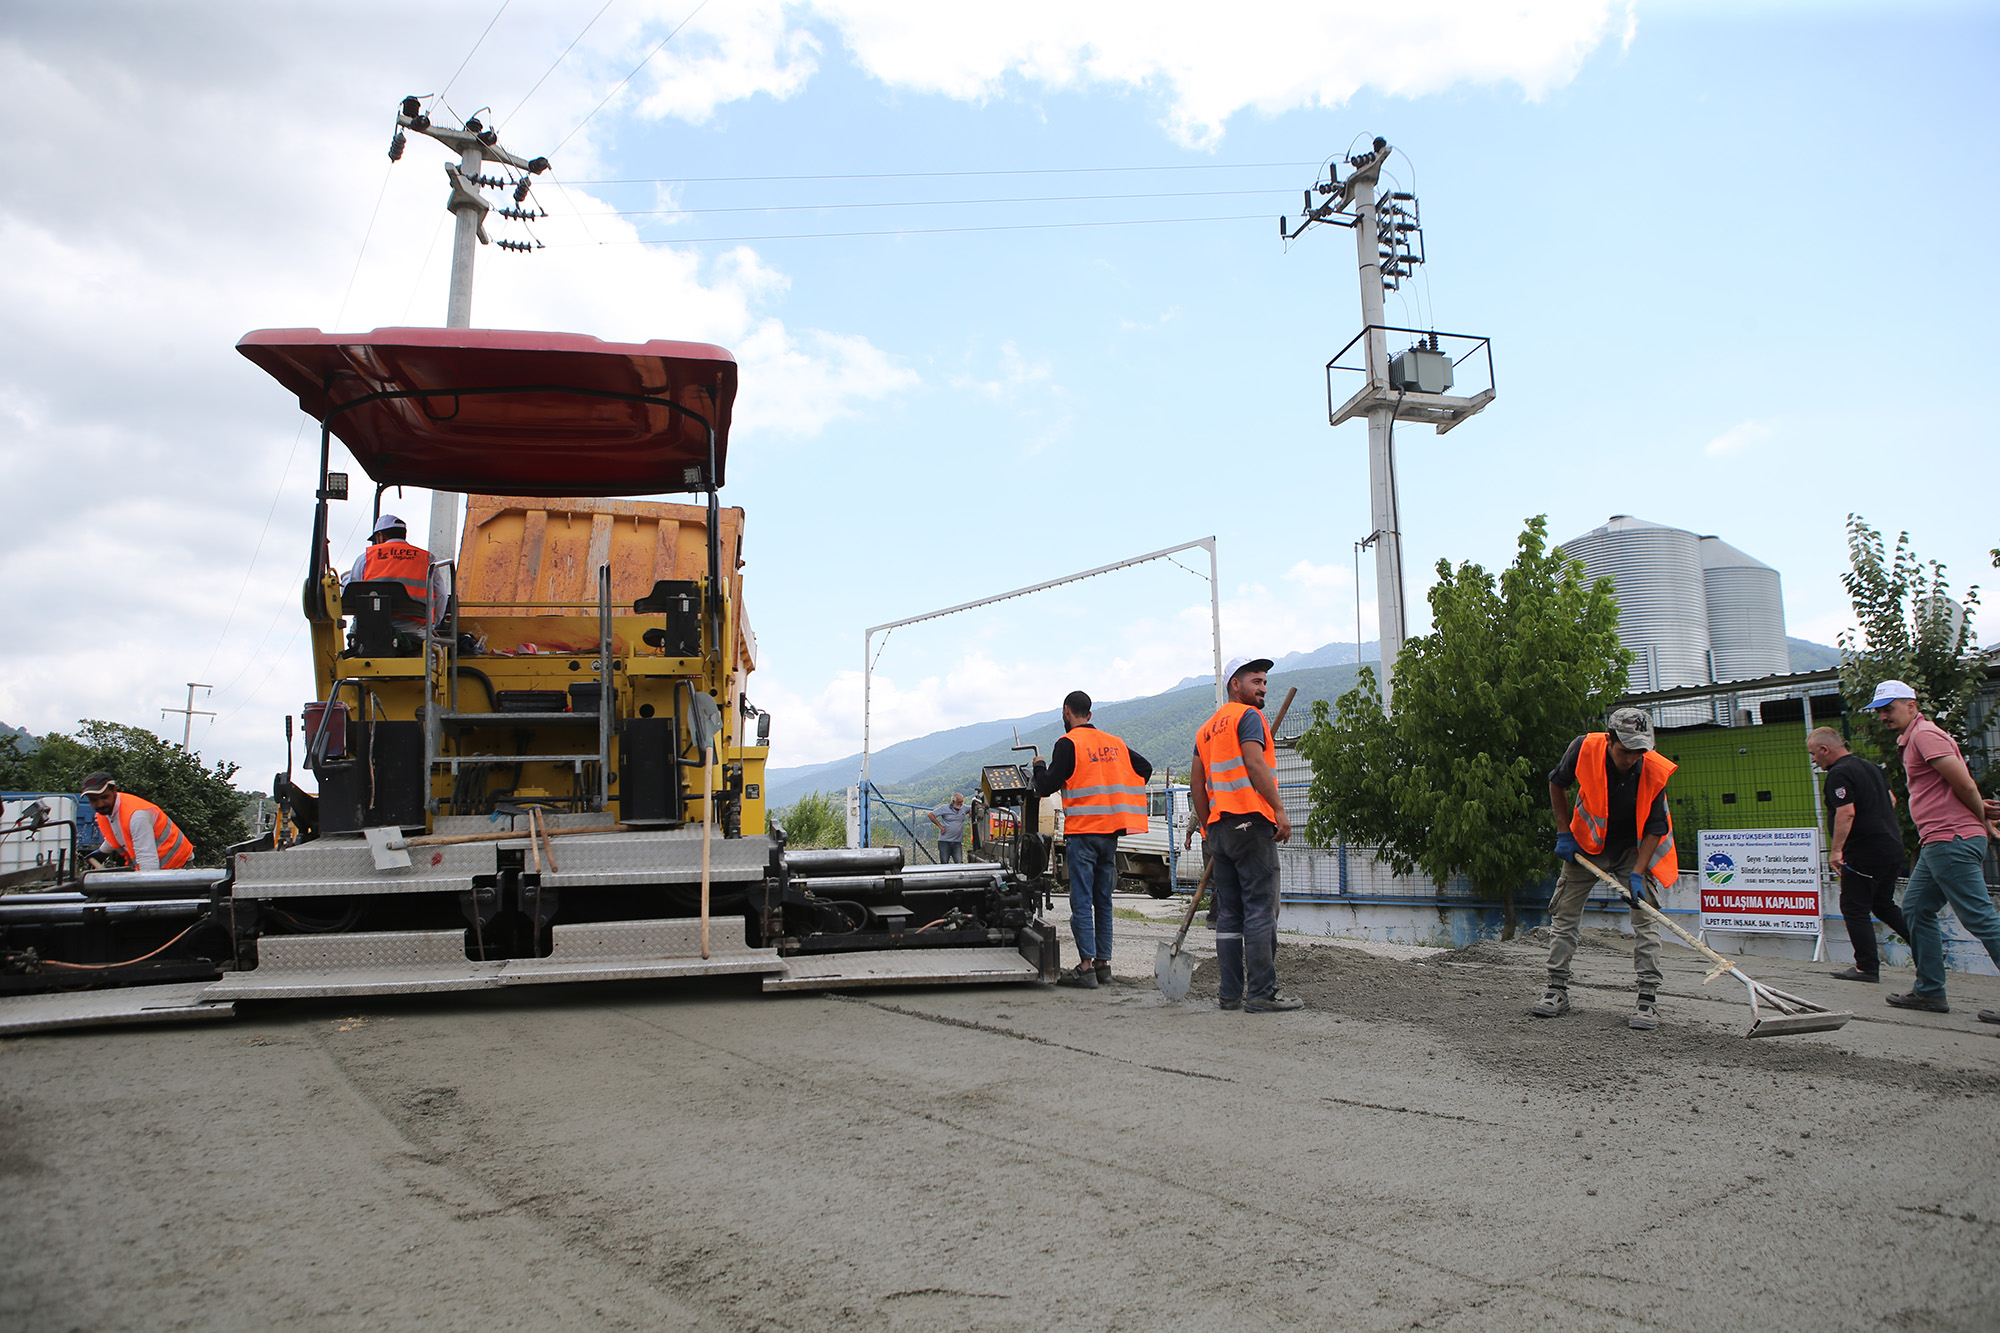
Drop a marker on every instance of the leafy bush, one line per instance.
(203, 802)
(818, 820)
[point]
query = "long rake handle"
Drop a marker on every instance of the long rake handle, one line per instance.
(1642, 905)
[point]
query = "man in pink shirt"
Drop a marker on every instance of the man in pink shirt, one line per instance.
(1954, 826)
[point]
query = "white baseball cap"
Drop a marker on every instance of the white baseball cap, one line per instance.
(387, 521)
(1238, 665)
(1887, 693)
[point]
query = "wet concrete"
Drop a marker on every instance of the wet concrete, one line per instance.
(1412, 1150)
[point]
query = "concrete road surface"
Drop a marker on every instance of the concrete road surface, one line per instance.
(1412, 1151)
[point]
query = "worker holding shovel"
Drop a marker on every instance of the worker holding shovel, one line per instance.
(1620, 821)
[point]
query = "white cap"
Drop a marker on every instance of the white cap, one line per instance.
(1238, 665)
(1887, 693)
(387, 521)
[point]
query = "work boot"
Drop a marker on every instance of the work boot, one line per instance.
(1104, 971)
(1856, 974)
(1930, 1004)
(1083, 976)
(1989, 1015)
(1646, 1016)
(1553, 1004)
(1274, 1003)
(1229, 1004)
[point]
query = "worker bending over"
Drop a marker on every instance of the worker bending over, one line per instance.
(1620, 821)
(391, 559)
(1103, 782)
(1242, 818)
(138, 828)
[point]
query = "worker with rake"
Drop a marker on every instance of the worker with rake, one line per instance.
(1620, 821)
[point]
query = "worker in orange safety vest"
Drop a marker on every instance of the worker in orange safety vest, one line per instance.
(391, 559)
(1621, 822)
(137, 828)
(1234, 790)
(1103, 782)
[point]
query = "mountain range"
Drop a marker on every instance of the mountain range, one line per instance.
(1161, 727)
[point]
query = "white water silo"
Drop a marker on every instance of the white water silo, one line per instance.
(1662, 597)
(1746, 614)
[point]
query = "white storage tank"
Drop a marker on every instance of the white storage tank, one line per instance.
(1746, 614)
(1662, 597)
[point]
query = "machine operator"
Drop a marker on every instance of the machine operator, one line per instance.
(1103, 782)
(390, 558)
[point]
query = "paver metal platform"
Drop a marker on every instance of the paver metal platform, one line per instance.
(177, 1003)
(414, 963)
(901, 967)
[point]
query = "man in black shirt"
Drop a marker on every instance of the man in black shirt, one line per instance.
(1866, 849)
(1613, 771)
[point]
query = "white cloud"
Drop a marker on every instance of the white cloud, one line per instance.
(1737, 438)
(1206, 67)
(181, 177)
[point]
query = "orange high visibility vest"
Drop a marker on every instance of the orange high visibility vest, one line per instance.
(175, 850)
(1104, 794)
(1591, 820)
(400, 562)
(1215, 746)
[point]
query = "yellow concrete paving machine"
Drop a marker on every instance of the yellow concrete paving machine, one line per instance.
(542, 765)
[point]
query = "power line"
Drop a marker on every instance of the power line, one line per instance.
(629, 77)
(927, 203)
(917, 231)
(552, 68)
(475, 49)
(917, 175)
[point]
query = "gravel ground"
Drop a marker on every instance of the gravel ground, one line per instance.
(1412, 1150)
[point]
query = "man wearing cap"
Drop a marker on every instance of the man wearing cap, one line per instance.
(391, 559)
(1103, 782)
(1242, 818)
(1620, 821)
(138, 828)
(1866, 850)
(1954, 827)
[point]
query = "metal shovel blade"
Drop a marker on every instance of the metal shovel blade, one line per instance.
(386, 845)
(1174, 971)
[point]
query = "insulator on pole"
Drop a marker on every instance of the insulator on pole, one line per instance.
(396, 145)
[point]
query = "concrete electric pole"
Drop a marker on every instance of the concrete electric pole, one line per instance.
(476, 145)
(1388, 243)
(190, 713)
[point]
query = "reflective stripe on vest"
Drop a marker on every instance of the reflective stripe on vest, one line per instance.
(1216, 747)
(1104, 793)
(1590, 822)
(399, 562)
(174, 848)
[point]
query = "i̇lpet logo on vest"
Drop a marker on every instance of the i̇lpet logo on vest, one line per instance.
(1720, 868)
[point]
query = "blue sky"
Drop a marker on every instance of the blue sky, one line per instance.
(1730, 258)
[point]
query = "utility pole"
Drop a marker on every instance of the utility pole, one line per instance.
(1388, 244)
(190, 713)
(476, 145)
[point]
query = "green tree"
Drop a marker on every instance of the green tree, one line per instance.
(1910, 630)
(1455, 782)
(818, 820)
(203, 802)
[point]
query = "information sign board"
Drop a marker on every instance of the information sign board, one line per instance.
(1761, 880)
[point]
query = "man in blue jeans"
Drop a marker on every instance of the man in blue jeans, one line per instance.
(1954, 828)
(1234, 789)
(1103, 782)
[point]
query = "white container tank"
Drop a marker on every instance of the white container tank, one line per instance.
(1746, 614)
(1662, 597)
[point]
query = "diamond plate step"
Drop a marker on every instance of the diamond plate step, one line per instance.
(177, 1003)
(901, 967)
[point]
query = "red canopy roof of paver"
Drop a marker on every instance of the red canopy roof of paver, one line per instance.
(540, 435)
